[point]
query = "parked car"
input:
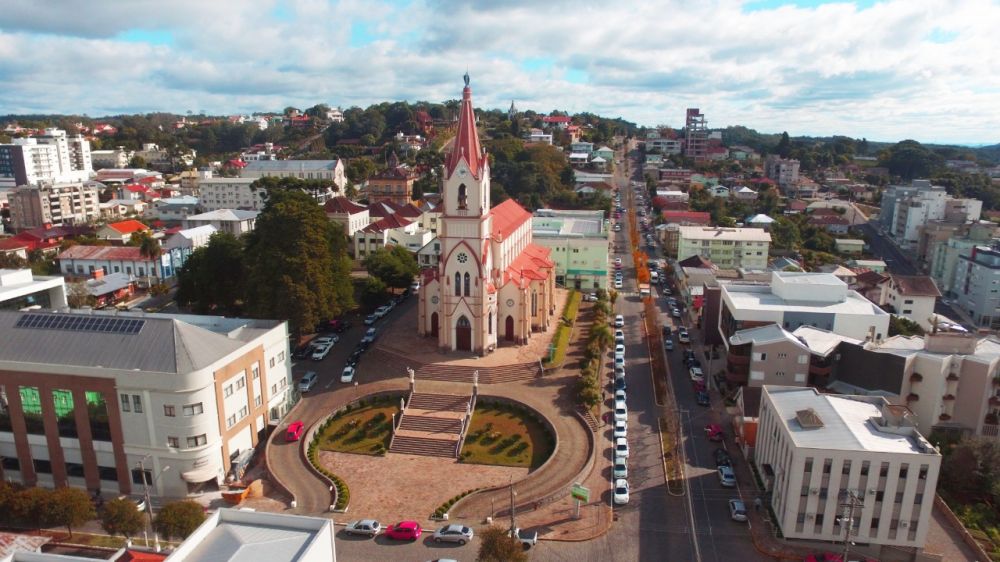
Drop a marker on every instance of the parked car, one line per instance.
(620, 469)
(369, 336)
(688, 357)
(619, 337)
(294, 431)
(621, 429)
(620, 384)
(619, 362)
(325, 340)
(590, 297)
(683, 336)
(381, 311)
(340, 326)
(320, 352)
(667, 332)
(367, 527)
(726, 476)
(621, 411)
(303, 351)
(527, 539)
(618, 284)
(621, 447)
(621, 491)
(453, 533)
(703, 399)
(370, 319)
(619, 321)
(696, 374)
(737, 510)
(676, 313)
(620, 351)
(404, 531)
(348, 374)
(714, 432)
(722, 458)
(619, 395)
(308, 381)
(668, 345)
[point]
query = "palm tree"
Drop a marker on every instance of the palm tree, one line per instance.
(149, 248)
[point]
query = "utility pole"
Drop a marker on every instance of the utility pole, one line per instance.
(512, 494)
(851, 502)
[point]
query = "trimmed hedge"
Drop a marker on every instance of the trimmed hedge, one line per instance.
(440, 511)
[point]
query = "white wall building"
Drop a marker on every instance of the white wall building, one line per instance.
(907, 208)
(728, 248)
(816, 452)
(87, 395)
(229, 193)
(52, 157)
(234, 221)
(330, 170)
(19, 288)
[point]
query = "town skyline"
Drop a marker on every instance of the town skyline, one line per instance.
(884, 71)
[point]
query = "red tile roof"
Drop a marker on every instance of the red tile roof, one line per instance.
(383, 209)
(466, 145)
(530, 265)
(507, 217)
(410, 211)
(915, 286)
(690, 217)
(556, 119)
(10, 244)
(128, 227)
(114, 253)
(342, 205)
(827, 220)
(136, 188)
(697, 261)
(391, 221)
(139, 556)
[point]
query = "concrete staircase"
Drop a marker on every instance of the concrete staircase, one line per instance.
(487, 375)
(431, 425)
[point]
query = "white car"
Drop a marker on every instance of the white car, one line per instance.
(619, 372)
(621, 411)
(619, 321)
(726, 477)
(348, 374)
(620, 469)
(325, 340)
(668, 345)
(621, 491)
(618, 284)
(619, 362)
(697, 375)
(621, 429)
(618, 260)
(619, 336)
(381, 311)
(620, 395)
(320, 352)
(676, 313)
(683, 336)
(619, 351)
(737, 510)
(621, 447)
(308, 381)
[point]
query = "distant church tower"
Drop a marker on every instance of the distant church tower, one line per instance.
(512, 112)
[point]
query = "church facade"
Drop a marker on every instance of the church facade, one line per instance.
(492, 284)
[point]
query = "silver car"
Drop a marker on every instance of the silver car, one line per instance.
(368, 527)
(453, 533)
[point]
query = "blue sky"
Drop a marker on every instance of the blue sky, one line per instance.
(884, 70)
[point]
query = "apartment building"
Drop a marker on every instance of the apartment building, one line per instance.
(695, 135)
(785, 171)
(728, 248)
(52, 157)
(329, 170)
(85, 396)
(234, 221)
(579, 244)
(664, 146)
(230, 193)
(113, 158)
(794, 299)
(976, 285)
(913, 297)
(943, 257)
(58, 205)
(394, 184)
(907, 209)
(818, 453)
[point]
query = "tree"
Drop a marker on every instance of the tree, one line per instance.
(12, 261)
(496, 545)
(292, 268)
(179, 519)
(909, 159)
(72, 507)
(137, 162)
(784, 146)
(395, 266)
(33, 506)
(120, 517)
(213, 276)
(8, 493)
(373, 293)
(785, 234)
(358, 170)
(78, 295)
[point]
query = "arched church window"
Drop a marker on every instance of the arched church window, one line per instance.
(467, 279)
(463, 197)
(458, 284)
(534, 303)
(490, 324)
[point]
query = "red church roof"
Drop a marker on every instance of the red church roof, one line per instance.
(466, 143)
(529, 266)
(507, 217)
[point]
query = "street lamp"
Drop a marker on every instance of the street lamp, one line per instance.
(149, 504)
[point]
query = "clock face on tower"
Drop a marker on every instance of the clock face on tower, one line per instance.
(510, 302)
(434, 299)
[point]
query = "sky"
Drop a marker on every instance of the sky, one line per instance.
(883, 70)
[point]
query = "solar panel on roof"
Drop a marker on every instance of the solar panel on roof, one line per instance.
(75, 323)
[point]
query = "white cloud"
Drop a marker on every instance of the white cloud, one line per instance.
(919, 69)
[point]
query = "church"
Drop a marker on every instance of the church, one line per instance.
(492, 285)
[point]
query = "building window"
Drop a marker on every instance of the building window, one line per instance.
(240, 383)
(257, 400)
(193, 409)
(231, 421)
(244, 412)
(126, 403)
(467, 291)
(274, 389)
(272, 362)
(137, 403)
(809, 465)
(197, 440)
(169, 411)
(173, 442)
(228, 391)
(281, 356)
(256, 371)
(458, 284)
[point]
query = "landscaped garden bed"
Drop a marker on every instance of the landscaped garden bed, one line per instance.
(506, 435)
(365, 430)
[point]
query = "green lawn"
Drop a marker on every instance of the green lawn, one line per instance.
(563, 331)
(365, 431)
(506, 437)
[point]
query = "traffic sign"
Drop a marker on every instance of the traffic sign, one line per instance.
(580, 493)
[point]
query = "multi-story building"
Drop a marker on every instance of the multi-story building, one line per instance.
(86, 396)
(230, 193)
(329, 170)
(59, 204)
(394, 184)
(81, 261)
(845, 467)
(913, 297)
(976, 285)
(19, 288)
(726, 247)
(351, 216)
(772, 355)
(181, 244)
(52, 157)
(796, 299)
(943, 257)
(233, 221)
(113, 158)
(907, 209)
(785, 171)
(578, 241)
(695, 135)
(393, 230)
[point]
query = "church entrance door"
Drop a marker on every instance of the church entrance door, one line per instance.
(434, 324)
(463, 334)
(509, 329)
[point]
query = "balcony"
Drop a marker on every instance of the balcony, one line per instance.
(994, 400)
(912, 397)
(738, 360)
(952, 377)
(820, 370)
(944, 417)
(916, 377)
(949, 397)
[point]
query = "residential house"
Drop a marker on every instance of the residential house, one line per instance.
(809, 449)
(872, 285)
(179, 246)
(665, 146)
(120, 232)
(795, 206)
(120, 208)
(48, 238)
(913, 297)
(110, 289)
(605, 153)
(20, 288)
(14, 247)
(195, 393)
(557, 121)
(718, 190)
(831, 223)
(744, 193)
(850, 246)
(429, 256)
(877, 266)
(767, 354)
(81, 262)
(393, 230)
(582, 148)
(234, 221)
(172, 209)
(761, 221)
(351, 216)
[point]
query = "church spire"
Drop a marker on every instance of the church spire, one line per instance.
(467, 139)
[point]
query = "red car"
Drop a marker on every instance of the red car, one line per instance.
(404, 531)
(294, 431)
(714, 432)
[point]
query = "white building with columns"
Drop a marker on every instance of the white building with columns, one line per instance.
(492, 283)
